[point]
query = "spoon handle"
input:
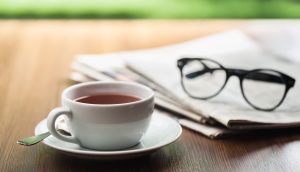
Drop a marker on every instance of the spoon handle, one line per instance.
(33, 139)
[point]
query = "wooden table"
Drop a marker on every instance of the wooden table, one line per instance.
(34, 68)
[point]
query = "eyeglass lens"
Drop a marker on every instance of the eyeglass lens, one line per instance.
(264, 88)
(203, 78)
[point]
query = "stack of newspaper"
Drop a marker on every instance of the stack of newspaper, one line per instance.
(224, 115)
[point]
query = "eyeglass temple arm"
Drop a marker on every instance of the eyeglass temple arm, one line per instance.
(238, 72)
(258, 76)
(201, 72)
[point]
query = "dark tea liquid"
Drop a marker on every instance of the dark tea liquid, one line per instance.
(107, 99)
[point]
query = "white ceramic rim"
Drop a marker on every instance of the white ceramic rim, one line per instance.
(65, 98)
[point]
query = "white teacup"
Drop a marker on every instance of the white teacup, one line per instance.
(104, 126)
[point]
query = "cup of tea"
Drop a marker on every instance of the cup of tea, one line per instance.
(104, 115)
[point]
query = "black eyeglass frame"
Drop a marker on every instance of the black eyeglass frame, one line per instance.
(241, 74)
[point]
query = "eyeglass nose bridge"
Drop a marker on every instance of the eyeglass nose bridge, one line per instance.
(240, 73)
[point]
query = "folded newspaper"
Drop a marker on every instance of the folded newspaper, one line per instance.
(221, 116)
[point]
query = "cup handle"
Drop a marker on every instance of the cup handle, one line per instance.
(53, 115)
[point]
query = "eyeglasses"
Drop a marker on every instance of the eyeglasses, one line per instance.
(263, 89)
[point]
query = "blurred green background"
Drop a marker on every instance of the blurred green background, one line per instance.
(163, 9)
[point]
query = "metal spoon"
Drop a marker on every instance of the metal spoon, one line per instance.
(61, 127)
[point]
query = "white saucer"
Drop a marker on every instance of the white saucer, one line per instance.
(162, 131)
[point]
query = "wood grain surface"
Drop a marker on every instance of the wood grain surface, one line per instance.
(34, 68)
